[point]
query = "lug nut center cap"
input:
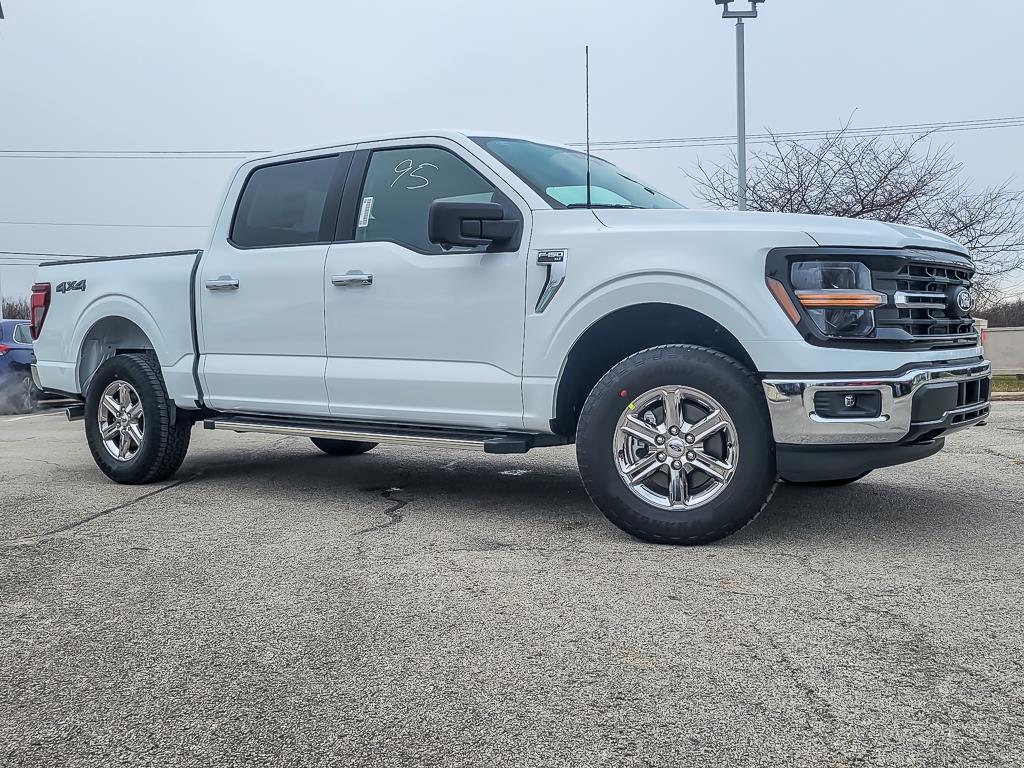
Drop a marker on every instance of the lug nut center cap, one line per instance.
(676, 447)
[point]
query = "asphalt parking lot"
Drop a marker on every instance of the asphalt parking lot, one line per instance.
(271, 605)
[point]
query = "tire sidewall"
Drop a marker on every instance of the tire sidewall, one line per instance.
(125, 368)
(27, 397)
(333, 447)
(714, 374)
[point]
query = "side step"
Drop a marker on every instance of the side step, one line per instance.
(488, 442)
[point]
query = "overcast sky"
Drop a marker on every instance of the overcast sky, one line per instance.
(237, 75)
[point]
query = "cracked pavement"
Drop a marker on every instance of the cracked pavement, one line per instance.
(271, 605)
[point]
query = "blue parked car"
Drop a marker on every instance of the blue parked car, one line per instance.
(18, 394)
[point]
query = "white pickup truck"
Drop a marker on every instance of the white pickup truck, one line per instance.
(487, 293)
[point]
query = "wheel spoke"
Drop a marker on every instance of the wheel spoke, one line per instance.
(111, 405)
(640, 429)
(678, 492)
(135, 434)
(135, 411)
(689, 417)
(673, 407)
(709, 465)
(124, 396)
(122, 448)
(107, 430)
(708, 426)
(642, 469)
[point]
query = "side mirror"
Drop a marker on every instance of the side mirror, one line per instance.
(471, 224)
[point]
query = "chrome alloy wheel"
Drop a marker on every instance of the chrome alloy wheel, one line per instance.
(122, 425)
(676, 447)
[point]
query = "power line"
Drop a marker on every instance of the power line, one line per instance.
(31, 254)
(765, 138)
(916, 126)
(18, 155)
(139, 151)
(97, 224)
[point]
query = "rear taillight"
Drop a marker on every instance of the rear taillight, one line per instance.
(4, 349)
(37, 308)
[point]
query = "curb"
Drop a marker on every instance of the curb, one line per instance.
(1007, 396)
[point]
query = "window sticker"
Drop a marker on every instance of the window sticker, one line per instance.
(364, 212)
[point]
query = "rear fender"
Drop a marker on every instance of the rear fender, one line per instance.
(109, 325)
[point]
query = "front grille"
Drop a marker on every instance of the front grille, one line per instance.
(972, 400)
(921, 303)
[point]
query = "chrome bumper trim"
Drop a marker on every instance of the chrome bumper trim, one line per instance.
(791, 405)
(35, 376)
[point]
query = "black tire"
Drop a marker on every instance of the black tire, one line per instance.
(342, 447)
(739, 393)
(826, 483)
(167, 430)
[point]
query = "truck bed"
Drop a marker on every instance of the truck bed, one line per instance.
(151, 293)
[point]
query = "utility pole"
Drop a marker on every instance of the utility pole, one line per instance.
(741, 95)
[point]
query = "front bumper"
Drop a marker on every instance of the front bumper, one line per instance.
(917, 405)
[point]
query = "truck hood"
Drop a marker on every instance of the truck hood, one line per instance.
(824, 230)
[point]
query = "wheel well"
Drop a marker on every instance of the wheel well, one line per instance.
(108, 337)
(624, 332)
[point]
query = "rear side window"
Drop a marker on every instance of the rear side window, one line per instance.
(283, 204)
(22, 334)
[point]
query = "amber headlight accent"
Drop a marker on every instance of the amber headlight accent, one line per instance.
(782, 296)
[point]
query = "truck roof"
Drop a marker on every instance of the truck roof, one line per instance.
(452, 135)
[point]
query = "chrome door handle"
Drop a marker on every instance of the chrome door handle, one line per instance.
(223, 283)
(352, 278)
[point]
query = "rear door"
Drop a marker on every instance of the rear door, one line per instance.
(261, 293)
(418, 333)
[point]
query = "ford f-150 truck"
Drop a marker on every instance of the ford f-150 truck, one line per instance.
(479, 292)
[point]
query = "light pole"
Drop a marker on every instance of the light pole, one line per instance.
(741, 96)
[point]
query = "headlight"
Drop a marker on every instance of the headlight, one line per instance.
(837, 296)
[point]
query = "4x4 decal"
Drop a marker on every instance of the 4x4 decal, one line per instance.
(70, 285)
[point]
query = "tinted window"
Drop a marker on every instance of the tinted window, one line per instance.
(283, 204)
(400, 186)
(22, 334)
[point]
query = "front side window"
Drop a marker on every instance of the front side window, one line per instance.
(400, 186)
(22, 334)
(283, 204)
(559, 175)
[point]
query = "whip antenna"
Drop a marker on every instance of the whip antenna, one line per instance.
(586, 51)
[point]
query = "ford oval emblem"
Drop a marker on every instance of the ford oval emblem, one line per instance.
(964, 301)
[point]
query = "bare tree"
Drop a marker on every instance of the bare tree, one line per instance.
(14, 309)
(1008, 314)
(891, 180)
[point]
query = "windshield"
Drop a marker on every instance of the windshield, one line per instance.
(560, 176)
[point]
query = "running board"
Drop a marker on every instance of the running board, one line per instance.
(488, 442)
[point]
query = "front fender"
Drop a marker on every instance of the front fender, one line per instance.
(726, 307)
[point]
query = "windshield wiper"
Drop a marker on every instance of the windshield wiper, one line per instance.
(601, 205)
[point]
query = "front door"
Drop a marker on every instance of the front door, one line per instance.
(417, 333)
(261, 294)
